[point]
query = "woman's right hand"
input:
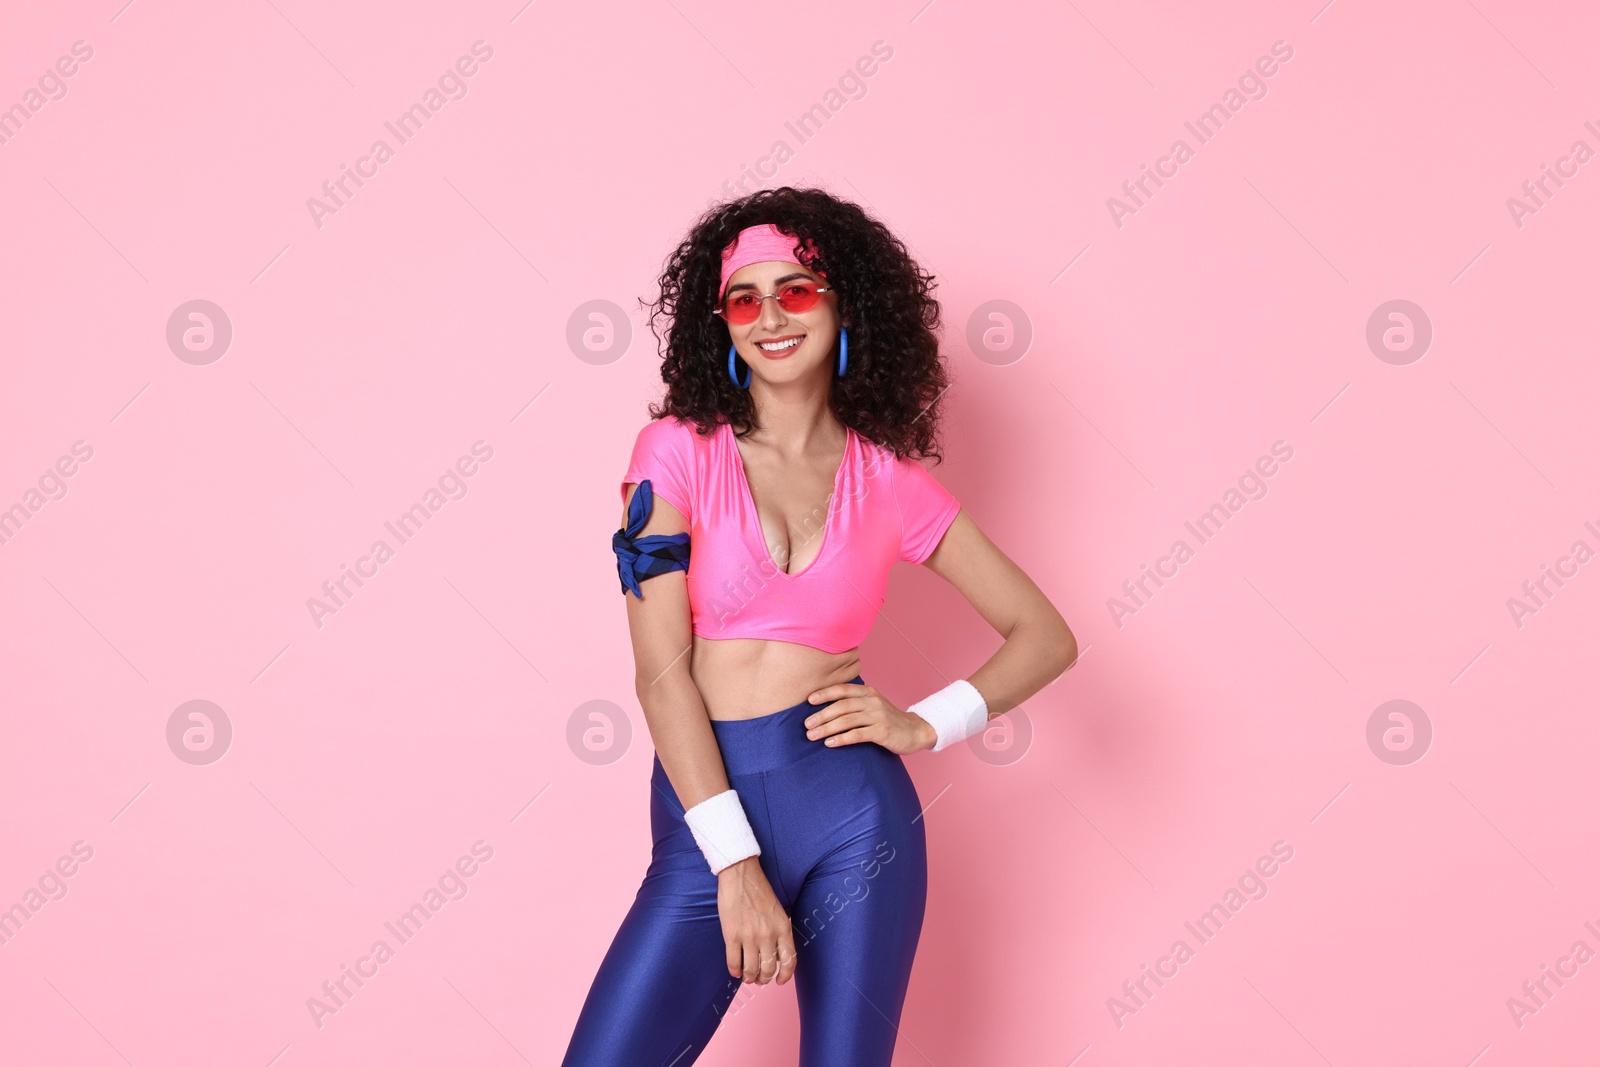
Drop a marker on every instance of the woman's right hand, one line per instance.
(755, 929)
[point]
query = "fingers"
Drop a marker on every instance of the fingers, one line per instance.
(760, 962)
(871, 732)
(778, 960)
(837, 708)
(787, 958)
(839, 690)
(764, 955)
(873, 705)
(828, 730)
(752, 962)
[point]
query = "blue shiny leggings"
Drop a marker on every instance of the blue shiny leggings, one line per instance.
(843, 846)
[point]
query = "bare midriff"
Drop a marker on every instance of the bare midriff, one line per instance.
(746, 678)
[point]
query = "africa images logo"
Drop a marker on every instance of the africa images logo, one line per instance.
(451, 85)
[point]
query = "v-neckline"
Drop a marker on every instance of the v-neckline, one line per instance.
(755, 512)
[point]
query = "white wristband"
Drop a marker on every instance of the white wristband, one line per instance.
(721, 830)
(955, 712)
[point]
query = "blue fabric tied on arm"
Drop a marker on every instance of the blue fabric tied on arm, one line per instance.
(639, 558)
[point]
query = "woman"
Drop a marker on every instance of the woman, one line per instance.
(803, 382)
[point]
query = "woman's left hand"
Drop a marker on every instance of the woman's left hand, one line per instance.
(860, 713)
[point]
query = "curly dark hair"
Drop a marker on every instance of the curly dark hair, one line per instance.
(891, 391)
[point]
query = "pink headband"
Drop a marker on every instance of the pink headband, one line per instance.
(761, 244)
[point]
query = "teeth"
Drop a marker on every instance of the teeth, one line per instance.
(780, 346)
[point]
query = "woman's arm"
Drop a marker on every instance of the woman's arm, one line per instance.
(662, 639)
(1038, 645)
(756, 930)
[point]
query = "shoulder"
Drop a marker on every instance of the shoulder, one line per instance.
(879, 459)
(671, 433)
(917, 489)
(675, 450)
(672, 426)
(876, 460)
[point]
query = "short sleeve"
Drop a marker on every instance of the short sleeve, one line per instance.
(926, 510)
(664, 453)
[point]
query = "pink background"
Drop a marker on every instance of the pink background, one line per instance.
(434, 708)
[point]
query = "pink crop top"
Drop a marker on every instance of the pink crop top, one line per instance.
(883, 509)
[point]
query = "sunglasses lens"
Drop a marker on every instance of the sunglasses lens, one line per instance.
(798, 297)
(741, 308)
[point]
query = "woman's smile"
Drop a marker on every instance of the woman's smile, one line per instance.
(779, 347)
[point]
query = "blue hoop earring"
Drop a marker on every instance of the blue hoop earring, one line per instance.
(844, 350)
(733, 353)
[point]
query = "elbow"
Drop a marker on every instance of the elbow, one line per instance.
(1065, 647)
(1050, 642)
(665, 686)
(646, 691)
(652, 692)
